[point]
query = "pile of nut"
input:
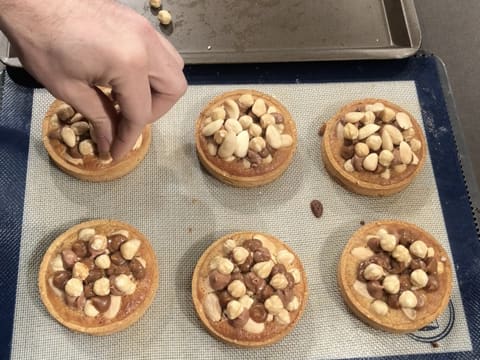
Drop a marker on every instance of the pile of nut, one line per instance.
(75, 135)
(247, 130)
(397, 271)
(250, 286)
(97, 271)
(379, 140)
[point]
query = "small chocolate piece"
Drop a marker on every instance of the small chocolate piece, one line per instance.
(115, 241)
(405, 283)
(117, 258)
(290, 279)
(375, 289)
(405, 238)
(254, 157)
(74, 152)
(382, 259)
(347, 152)
(69, 258)
(60, 278)
(241, 320)
(317, 208)
(321, 131)
(79, 247)
(278, 269)
(224, 298)
(247, 264)
(258, 313)
(88, 290)
(396, 157)
(101, 303)
(80, 302)
(417, 264)
(252, 244)
(357, 162)
(435, 344)
(261, 254)
(431, 265)
(218, 281)
(265, 293)
(94, 275)
(137, 269)
(374, 244)
(264, 153)
(286, 295)
(236, 275)
(55, 134)
(397, 267)
(432, 284)
(278, 118)
(89, 262)
(254, 283)
(393, 302)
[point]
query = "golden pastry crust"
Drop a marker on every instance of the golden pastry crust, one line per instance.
(395, 320)
(366, 182)
(234, 173)
(94, 171)
(132, 306)
(223, 330)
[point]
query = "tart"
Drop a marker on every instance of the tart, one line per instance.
(395, 276)
(68, 138)
(249, 289)
(245, 138)
(98, 277)
(373, 147)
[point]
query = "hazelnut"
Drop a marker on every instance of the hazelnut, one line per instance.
(164, 17)
(297, 276)
(350, 131)
(123, 283)
(361, 149)
(57, 263)
(401, 254)
(283, 317)
(89, 309)
(155, 3)
(98, 242)
(255, 130)
(407, 299)
(373, 272)
(245, 121)
(218, 281)
(293, 305)
(391, 284)
(285, 257)
(237, 288)
(246, 100)
(74, 287)
(273, 304)
(266, 120)
(387, 241)
(234, 309)
(259, 108)
(80, 271)
(263, 269)
(419, 278)
(419, 249)
(380, 307)
(103, 261)
(101, 287)
(257, 144)
(279, 281)
(225, 266)
(240, 254)
(374, 142)
(129, 248)
(246, 301)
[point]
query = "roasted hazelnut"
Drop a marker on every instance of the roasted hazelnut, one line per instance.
(79, 247)
(252, 244)
(117, 258)
(261, 254)
(375, 289)
(137, 269)
(218, 281)
(60, 278)
(101, 303)
(240, 320)
(258, 313)
(254, 283)
(115, 241)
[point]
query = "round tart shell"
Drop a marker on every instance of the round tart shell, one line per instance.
(112, 171)
(77, 320)
(222, 330)
(237, 175)
(367, 183)
(395, 321)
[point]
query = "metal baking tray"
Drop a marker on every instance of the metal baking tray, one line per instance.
(232, 31)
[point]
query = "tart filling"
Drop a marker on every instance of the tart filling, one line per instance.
(395, 275)
(246, 133)
(100, 275)
(373, 145)
(252, 290)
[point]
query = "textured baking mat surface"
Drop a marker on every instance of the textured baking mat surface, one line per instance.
(182, 209)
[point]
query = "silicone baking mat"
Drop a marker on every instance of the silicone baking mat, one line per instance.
(171, 199)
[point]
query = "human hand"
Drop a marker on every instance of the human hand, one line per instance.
(70, 47)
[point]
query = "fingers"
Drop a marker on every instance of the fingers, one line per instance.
(98, 109)
(134, 97)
